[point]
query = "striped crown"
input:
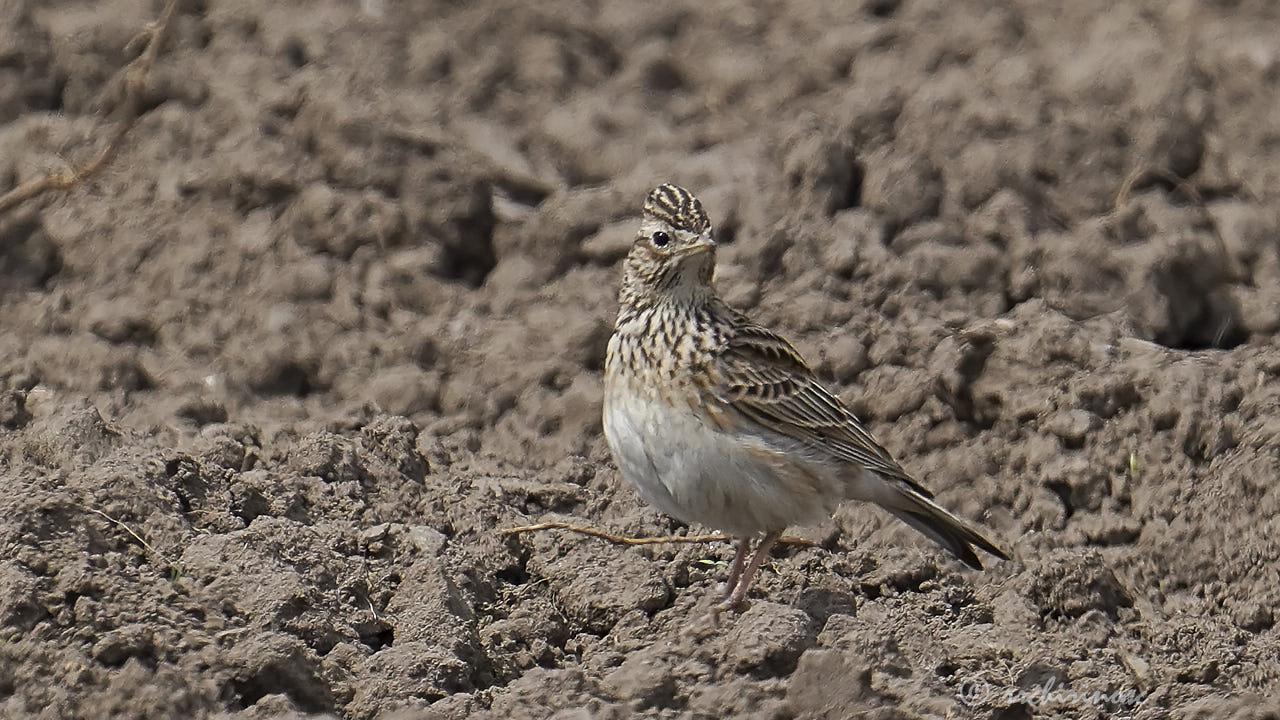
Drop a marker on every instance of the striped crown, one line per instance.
(677, 207)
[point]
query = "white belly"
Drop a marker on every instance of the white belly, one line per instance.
(700, 474)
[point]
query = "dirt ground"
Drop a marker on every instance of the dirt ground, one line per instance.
(336, 313)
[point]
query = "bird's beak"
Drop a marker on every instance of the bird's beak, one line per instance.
(703, 245)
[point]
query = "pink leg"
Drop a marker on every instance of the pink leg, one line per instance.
(739, 562)
(749, 573)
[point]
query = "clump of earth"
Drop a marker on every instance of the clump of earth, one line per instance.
(334, 315)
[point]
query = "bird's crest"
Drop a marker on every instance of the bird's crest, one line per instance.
(676, 207)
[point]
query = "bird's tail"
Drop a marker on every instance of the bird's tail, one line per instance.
(936, 523)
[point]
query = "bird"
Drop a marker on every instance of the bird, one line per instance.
(716, 420)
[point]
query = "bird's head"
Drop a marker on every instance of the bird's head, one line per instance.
(674, 253)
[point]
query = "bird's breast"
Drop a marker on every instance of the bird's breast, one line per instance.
(688, 456)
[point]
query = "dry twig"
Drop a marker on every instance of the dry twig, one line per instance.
(175, 568)
(1132, 179)
(623, 540)
(135, 84)
(1193, 194)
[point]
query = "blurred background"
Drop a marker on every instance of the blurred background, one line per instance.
(336, 310)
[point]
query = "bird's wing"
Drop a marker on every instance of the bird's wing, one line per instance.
(761, 375)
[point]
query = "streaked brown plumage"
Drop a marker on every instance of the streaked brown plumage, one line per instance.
(717, 420)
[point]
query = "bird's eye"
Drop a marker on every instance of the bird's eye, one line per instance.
(661, 239)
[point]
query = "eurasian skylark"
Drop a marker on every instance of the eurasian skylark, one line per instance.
(718, 421)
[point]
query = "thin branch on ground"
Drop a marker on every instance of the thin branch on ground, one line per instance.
(1184, 186)
(175, 568)
(1132, 179)
(624, 540)
(135, 84)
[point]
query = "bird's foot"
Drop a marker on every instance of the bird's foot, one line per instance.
(711, 621)
(730, 605)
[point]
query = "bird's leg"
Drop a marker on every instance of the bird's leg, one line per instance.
(739, 562)
(749, 573)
